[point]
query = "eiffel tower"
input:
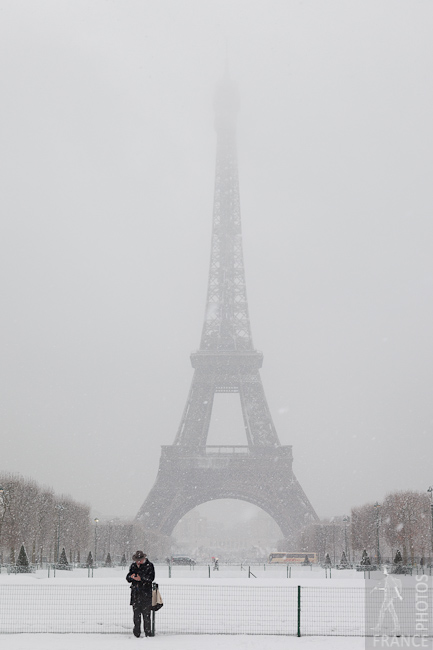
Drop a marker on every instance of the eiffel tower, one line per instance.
(191, 472)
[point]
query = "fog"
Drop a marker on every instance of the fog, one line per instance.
(107, 167)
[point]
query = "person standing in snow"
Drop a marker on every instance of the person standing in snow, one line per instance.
(141, 574)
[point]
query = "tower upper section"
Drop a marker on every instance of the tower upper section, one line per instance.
(226, 324)
(226, 105)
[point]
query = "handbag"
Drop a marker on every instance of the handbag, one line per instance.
(156, 599)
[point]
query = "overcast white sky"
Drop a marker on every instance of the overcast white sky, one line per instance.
(107, 168)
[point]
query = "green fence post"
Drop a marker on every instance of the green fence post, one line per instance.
(152, 626)
(299, 610)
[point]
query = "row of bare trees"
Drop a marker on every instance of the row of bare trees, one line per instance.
(39, 519)
(45, 523)
(402, 522)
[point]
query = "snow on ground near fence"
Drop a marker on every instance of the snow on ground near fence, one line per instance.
(72, 602)
(192, 605)
(214, 642)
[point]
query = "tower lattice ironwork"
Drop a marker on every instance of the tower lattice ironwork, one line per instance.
(191, 473)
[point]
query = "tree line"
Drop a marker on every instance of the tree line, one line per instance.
(402, 522)
(44, 523)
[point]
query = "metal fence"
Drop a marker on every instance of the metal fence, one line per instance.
(191, 609)
(224, 571)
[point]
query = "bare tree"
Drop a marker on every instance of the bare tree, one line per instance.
(363, 528)
(406, 523)
(28, 516)
(322, 538)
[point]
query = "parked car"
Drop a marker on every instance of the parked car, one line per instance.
(182, 559)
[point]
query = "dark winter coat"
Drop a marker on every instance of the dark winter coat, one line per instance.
(141, 588)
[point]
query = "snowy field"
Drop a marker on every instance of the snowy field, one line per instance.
(72, 602)
(221, 612)
(178, 642)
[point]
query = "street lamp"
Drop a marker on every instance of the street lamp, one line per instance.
(59, 507)
(376, 507)
(345, 520)
(430, 490)
(96, 538)
(109, 536)
(333, 537)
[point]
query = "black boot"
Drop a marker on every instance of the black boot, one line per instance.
(136, 632)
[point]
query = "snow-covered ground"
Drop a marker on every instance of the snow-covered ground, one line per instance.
(220, 611)
(192, 605)
(178, 642)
